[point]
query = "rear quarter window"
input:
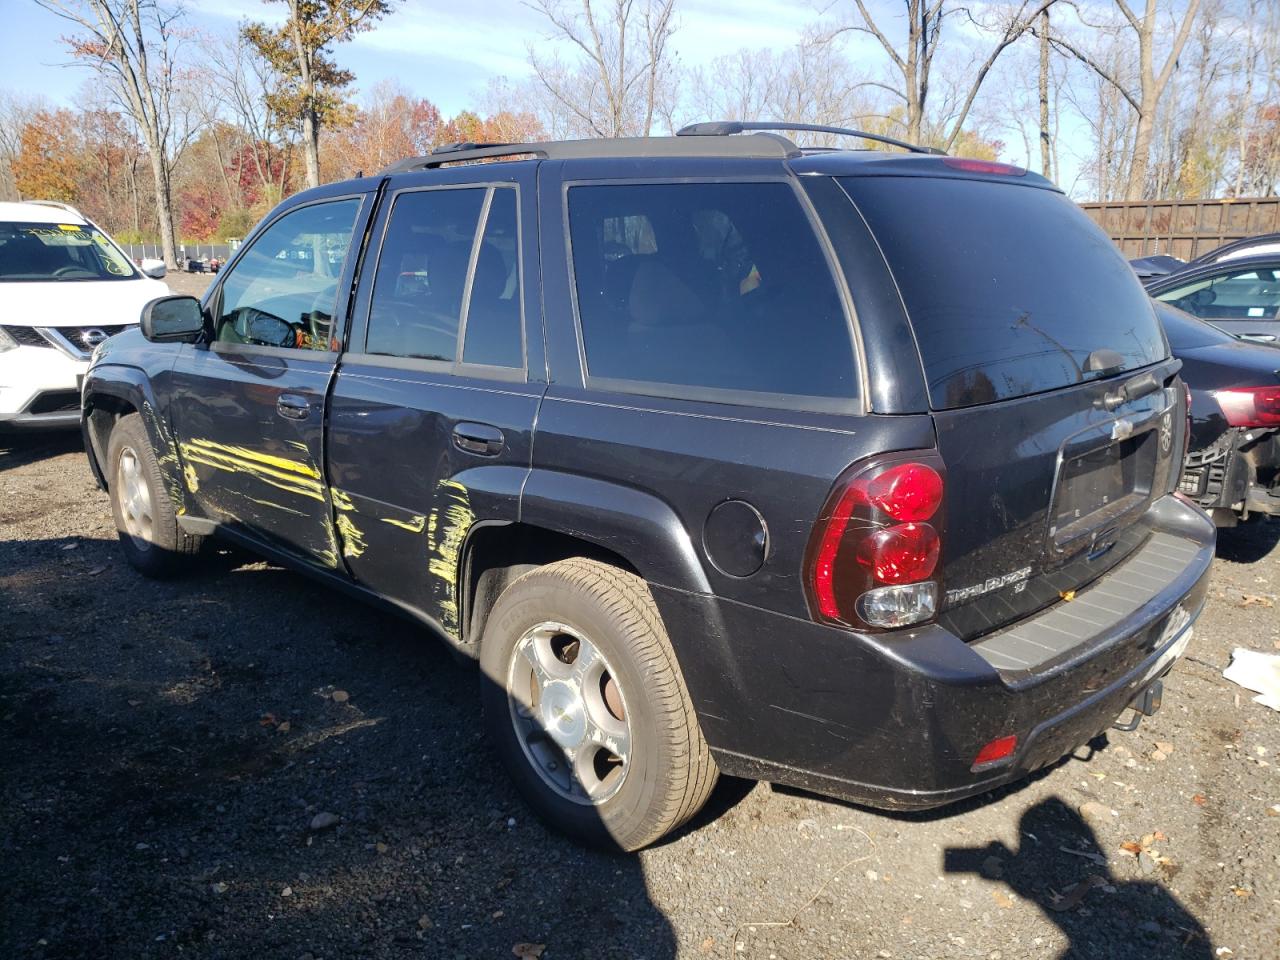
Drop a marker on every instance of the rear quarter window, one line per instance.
(718, 291)
(1009, 288)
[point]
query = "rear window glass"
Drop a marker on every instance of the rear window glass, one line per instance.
(1009, 288)
(715, 291)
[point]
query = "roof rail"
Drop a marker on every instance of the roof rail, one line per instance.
(767, 146)
(723, 128)
(59, 205)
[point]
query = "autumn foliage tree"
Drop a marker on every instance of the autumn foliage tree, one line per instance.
(310, 92)
(46, 166)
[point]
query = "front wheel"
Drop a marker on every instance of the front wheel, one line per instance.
(146, 520)
(583, 698)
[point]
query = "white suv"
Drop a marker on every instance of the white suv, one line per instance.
(65, 286)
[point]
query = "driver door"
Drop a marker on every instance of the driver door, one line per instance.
(248, 408)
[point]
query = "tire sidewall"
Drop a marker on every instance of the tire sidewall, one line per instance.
(158, 555)
(622, 821)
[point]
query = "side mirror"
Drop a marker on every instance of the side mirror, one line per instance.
(175, 319)
(155, 269)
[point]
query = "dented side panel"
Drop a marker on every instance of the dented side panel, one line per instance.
(406, 494)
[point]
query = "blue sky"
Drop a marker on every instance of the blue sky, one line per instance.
(449, 51)
(444, 51)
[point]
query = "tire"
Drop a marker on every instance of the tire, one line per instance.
(146, 522)
(667, 773)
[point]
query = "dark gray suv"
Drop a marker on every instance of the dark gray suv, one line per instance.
(852, 470)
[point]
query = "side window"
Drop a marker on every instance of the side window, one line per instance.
(1245, 295)
(711, 286)
(284, 290)
(416, 306)
(494, 334)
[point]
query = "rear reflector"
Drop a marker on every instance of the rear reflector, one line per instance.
(1250, 406)
(984, 166)
(998, 749)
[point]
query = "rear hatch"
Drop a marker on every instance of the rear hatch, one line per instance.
(1057, 408)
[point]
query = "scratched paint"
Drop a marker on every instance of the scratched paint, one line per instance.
(341, 499)
(352, 537)
(414, 525)
(446, 527)
(193, 479)
(166, 456)
(292, 476)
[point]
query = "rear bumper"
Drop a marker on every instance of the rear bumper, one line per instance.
(1239, 474)
(895, 721)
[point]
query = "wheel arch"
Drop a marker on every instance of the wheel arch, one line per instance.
(565, 515)
(112, 392)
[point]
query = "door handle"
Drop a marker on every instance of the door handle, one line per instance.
(293, 407)
(478, 438)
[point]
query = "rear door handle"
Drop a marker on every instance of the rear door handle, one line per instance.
(293, 407)
(479, 438)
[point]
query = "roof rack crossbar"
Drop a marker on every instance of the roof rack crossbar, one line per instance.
(763, 146)
(463, 152)
(724, 128)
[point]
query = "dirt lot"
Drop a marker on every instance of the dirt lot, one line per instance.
(165, 748)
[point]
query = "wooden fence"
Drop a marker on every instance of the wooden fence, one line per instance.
(1183, 228)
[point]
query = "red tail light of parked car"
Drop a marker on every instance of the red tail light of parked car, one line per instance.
(876, 545)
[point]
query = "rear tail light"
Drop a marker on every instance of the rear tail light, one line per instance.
(875, 547)
(1250, 406)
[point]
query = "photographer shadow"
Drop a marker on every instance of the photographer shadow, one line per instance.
(1100, 914)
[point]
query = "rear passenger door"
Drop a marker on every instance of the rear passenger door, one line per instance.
(431, 415)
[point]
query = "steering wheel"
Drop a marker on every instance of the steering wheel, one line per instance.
(69, 269)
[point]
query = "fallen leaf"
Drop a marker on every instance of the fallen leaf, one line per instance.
(1131, 847)
(1273, 810)
(529, 951)
(1164, 746)
(1251, 600)
(1242, 891)
(1160, 835)
(1199, 799)
(1003, 900)
(1067, 595)
(1148, 839)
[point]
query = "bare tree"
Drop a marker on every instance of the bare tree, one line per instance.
(1151, 81)
(135, 47)
(811, 82)
(245, 80)
(914, 60)
(1046, 140)
(622, 64)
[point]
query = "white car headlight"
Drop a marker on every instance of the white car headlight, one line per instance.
(7, 342)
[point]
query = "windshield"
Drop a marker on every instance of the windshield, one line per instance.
(1011, 290)
(31, 252)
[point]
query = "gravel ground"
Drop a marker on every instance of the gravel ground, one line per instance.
(166, 749)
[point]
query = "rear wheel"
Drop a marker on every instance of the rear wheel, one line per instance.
(585, 703)
(146, 521)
